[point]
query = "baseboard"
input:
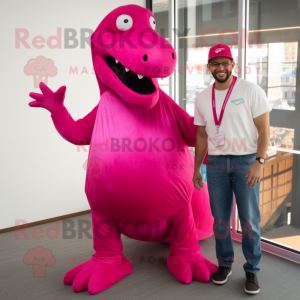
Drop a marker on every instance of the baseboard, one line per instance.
(45, 221)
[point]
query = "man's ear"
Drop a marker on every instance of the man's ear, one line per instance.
(208, 66)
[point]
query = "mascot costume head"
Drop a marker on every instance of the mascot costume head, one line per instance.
(140, 169)
(126, 42)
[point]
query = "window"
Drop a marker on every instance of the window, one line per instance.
(271, 61)
(208, 23)
(279, 197)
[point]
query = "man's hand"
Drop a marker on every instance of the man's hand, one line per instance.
(197, 179)
(254, 174)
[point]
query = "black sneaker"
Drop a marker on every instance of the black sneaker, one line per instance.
(251, 286)
(222, 275)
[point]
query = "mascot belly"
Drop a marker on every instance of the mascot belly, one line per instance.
(145, 169)
(140, 169)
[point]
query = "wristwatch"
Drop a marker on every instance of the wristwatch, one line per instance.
(260, 159)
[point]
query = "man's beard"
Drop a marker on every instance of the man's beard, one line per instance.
(221, 80)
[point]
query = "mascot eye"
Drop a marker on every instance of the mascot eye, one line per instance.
(124, 22)
(152, 22)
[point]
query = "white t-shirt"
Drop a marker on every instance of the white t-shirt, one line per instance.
(246, 102)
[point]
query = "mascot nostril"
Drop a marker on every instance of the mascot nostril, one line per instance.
(141, 136)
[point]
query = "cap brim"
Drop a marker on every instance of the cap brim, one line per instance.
(220, 56)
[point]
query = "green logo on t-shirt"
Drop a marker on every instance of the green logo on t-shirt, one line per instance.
(238, 101)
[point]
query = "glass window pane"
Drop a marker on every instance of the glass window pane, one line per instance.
(273, 51)
(281, 139)
(161, 13)
(276, 202)
(201, 25)
(274, 28)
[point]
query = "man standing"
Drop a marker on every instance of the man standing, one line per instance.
(232, 117)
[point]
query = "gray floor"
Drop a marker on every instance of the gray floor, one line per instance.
(151, 279)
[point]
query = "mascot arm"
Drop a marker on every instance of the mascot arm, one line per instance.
(79, 132)
(76, 132)
(186, 125)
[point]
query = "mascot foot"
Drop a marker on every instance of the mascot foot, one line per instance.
(186, 266)
(98, 274)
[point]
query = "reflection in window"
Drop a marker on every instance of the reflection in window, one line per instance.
(273, 66)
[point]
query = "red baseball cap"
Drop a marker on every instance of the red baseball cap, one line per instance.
(219, 50)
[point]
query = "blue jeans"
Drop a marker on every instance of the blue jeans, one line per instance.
(225, 176)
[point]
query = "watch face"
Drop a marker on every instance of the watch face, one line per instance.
(261, 160)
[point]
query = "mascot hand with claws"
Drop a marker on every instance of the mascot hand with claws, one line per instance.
(140, 169)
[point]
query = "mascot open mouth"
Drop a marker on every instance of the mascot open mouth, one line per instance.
(137, 83)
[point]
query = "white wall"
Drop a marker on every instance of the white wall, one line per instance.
(42, 175)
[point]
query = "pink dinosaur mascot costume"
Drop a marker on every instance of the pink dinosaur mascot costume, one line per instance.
(140, 168)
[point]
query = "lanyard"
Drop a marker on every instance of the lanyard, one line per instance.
(218, 122)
